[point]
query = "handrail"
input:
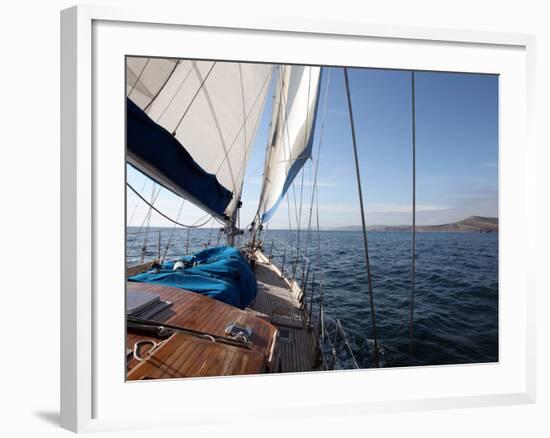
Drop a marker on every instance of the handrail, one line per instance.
(308, 303)
(273, 238)
(339, 333)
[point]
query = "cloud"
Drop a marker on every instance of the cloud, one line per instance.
(403, 208)
(380, 208)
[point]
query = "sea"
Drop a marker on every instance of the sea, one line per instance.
(455, 319)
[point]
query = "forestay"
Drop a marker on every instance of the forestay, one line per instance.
(291, 135)
(211, 108)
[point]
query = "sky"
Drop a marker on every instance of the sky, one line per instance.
(456, 154)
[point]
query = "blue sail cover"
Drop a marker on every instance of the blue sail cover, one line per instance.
(221, 273)
(150, 143)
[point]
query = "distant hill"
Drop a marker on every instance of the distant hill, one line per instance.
(472, 224)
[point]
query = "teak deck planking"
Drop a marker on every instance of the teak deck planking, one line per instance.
(188, 356)
(197, 312)
(275, 311)
(277, 302)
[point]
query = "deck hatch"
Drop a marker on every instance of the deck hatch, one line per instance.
(136, 301)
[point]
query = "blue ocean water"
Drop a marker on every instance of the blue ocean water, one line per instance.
(456, 293)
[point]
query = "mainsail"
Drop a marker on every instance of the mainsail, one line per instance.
(291, 136)
(211, 110)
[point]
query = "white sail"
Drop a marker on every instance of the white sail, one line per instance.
(212, 109)
(291, 134)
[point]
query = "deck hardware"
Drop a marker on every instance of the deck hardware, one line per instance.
(173, 328)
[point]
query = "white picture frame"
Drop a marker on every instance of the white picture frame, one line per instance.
(93, 391)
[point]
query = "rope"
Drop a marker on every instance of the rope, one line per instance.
(137, 348)
(363, 222)
(411, 316)
(195, 225)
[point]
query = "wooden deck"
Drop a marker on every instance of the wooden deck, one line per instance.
(200, 313)
(277, 302)
(188, 356)
(281, 340)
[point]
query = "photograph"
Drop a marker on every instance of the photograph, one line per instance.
(288, 218)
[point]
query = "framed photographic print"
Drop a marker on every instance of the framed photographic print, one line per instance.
(252, 211)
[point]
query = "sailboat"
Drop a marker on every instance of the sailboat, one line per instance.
(229, 309)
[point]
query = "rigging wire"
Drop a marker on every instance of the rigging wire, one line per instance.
(287, 157)
(194, 225)
(210, 235)
(162, 88)
(289, 221)
(243, 126)
(363, 222)
(299, 225)
(182, 83)
(138, 232)
(193, 99)
(315, 198)
(138, 78)
(315, 188)
(129, 223)
(272, 128)
(305, 143)
(242, 169)
(172, 232)
(321, 308)
(146, 235)
(413, 273)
